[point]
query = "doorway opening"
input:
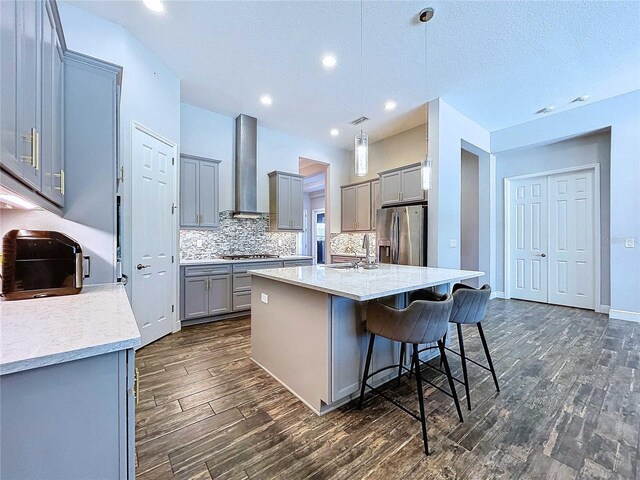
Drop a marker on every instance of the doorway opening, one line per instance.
(470, 214)
(314, 239)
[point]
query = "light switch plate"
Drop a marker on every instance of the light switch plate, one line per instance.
(264, 298)
(453, 243)
(630, 242)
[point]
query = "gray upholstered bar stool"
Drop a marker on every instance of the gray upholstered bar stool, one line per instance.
(469, 307)
(421, 322)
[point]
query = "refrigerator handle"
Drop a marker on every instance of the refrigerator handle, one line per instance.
(395, 240)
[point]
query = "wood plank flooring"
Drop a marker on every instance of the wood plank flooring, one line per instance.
(568, 409)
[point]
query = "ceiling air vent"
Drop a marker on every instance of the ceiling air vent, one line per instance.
(358, 121)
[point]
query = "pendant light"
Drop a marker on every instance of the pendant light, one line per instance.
(426, 163)
(361, 148)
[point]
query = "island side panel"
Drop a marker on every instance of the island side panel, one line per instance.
(290, 338)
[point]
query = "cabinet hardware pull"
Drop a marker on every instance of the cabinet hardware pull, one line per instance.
(27, 158)
(61, 177)
(36, 148)
(136, 384)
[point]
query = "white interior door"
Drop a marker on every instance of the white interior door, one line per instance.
(528, 239)
(571, 239)
(552, 239)
(152, 234)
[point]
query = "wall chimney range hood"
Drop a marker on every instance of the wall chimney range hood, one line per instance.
(246, 167)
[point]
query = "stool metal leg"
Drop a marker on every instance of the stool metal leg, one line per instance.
(443, 357)
(444, 341)
(423, 420)
(464, 365)
(403, 347)
(488, 355)
(367, 364)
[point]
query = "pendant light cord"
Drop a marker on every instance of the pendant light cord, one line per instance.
(361, 58)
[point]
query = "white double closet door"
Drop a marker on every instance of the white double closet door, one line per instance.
(552, 256)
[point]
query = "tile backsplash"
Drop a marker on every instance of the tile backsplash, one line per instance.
(236, 236)
(351, 243)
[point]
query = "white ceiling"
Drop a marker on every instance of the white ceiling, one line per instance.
(498, 62)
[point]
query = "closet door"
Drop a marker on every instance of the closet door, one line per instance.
(528, 236)
(571, 240)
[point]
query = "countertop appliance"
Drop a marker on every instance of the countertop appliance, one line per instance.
(401, 235)
(249, 256)
(38, 263)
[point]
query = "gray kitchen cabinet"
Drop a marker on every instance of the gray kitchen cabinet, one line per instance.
(219, 293)
(412, 184)
(285, 201)
(72, 420)
(199, 192)
(31, 109)
(52, 132)
(8, 80)
(298, 263)
(206, 291)
(402, 185)
(91, 96)
(195, 297)
(356, 207)
(242, 283)
(28, 92)
(376, 201)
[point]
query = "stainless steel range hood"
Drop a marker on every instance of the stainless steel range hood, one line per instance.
(246, 167)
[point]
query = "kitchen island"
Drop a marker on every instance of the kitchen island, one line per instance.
(307, 329)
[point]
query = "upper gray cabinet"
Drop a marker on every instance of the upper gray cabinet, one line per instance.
(31, 119)
(199, 192)
(402, 185)
(376, 201)
(285, 201)
(356, 207)
(91, 97)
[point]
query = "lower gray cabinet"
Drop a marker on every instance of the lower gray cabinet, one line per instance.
(72, 420)
(298, 263)
(219, 294)
(195, 298)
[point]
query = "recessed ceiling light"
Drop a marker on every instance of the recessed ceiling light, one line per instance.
(548, 109)
(329, 61)
(581, 98)
(154, 5)
(390, 105)
(266, 100)
(334, 132)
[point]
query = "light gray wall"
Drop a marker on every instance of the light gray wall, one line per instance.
(470, 213)
(622, 115)
(585, 150)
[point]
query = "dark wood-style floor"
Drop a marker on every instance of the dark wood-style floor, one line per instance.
(568, 409)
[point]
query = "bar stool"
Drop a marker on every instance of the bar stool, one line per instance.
(421, 322)
(469, 307)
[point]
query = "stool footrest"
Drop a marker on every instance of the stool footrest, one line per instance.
(441, 371)
(469, 359)
(389, 399)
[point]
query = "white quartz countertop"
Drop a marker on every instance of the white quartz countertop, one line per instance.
(46, 331)
(222, 261)
(363, 284)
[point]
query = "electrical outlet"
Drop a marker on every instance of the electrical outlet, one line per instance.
(264, 298)
(630, 242)
(279, 242)
(198, 243)
(453, 243)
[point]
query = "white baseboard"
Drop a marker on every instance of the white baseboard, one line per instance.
(496, 295)
(624, 315)
(604, 309)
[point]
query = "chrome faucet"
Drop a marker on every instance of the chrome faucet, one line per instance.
(366, 244)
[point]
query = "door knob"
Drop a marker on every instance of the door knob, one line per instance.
(541, 255)
(141, 266)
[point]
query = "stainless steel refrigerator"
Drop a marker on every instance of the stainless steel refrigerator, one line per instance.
(401, 235)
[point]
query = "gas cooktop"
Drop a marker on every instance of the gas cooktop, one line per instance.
(249, 257)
